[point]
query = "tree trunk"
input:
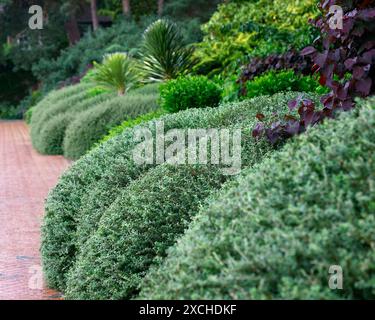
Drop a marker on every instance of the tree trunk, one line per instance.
(9, 40)
(94, 15)
(160, 7)
(126, 7)
(72, 30)
(121, 92)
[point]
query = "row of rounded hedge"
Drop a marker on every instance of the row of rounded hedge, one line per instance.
(70, 121)
(114, 229)
(91, 125)
(50, 138)
(103, 222)
(55, 101)
(275, 232)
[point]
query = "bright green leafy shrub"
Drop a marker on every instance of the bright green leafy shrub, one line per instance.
(189, 92)
(92, 125)
(275, 232)
(273, 82)
(75, 207)
(254, 28)
(116, 72)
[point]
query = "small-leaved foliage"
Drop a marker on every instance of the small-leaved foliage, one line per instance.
(274, 233)
(273, 82)
(75, 206)
(93, 124)
(56, 102)
(189, 92)
(50, 139)
(127, 124)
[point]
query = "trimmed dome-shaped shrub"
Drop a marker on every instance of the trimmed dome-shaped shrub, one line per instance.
(90, 126)
(275, 232)
(51, 136)
(56, 102)
(189, 92)
(92, 184)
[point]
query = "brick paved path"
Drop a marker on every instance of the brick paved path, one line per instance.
(25, 179)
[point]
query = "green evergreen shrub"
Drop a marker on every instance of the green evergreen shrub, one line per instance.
(52, 134)
(57, 101)
(92, 125)
(55, 96)
(150, 88)
(273, 82)
(50, 138)
(93, 183)
(142, 223)
(274, 233)
(63, 104)
(189, 92)
(239, 29)
(127, 124)
(70, 101)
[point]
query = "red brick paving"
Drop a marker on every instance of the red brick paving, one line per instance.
(25, 179)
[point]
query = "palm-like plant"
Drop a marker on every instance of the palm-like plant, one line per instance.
(116, 72)
(163, 52)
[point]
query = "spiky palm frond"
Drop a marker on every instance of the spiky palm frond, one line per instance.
(116, 72)
(163, 52)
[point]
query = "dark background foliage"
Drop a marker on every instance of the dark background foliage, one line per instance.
(45, 59)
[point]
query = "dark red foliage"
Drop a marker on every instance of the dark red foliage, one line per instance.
(291, 125)
(346, 51)
(344, 58)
